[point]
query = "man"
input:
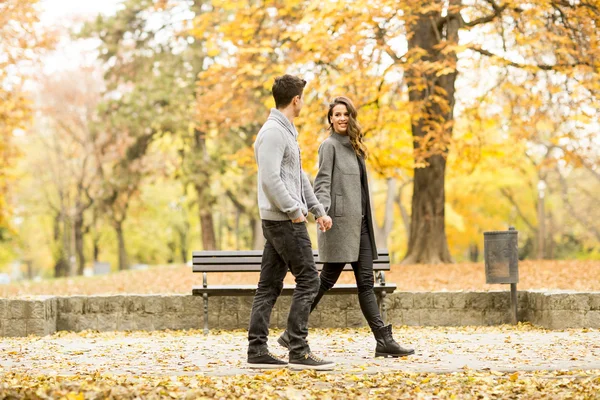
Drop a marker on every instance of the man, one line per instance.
(285, 197)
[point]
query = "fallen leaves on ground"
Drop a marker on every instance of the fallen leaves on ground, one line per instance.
(285, 384)
(563, 275)
(187, 364)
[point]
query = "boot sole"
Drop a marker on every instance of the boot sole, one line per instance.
(297, 367)
(282, 343)
(393, 355)
(266, 366)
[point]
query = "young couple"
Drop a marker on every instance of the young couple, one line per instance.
(341, 205)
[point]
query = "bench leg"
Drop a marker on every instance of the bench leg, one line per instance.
(205, 295)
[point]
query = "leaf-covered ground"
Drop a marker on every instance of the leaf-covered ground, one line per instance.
(458, 362)
(283, 384)
(563, 275)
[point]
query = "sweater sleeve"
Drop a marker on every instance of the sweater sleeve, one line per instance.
(313, 204)
(324, 175)
(269, 155)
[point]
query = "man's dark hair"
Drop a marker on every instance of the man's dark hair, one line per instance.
(285, 88)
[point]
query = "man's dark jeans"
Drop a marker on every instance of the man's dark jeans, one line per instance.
(287, 245)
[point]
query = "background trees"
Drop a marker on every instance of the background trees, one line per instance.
(471, 123)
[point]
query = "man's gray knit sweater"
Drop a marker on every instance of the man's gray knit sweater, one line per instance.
(284, 191)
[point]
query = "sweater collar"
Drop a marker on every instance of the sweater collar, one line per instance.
(281, 119)
(343, 139)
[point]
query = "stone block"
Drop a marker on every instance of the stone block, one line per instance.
(412, 317)
(243, 317)
(112, 304)
(459, 300)
(3, 308)
(174, 304)
(70, 304)
(314, 320)
(437, 317)
(423, 300)
(229, 305)
(127, 322)
(213, 318)
(522, 300)
(87, 322)
(153, 304)
(471, 318)
(479, 301)
(442, 300)
(395, 316)
(404, 300)
(594, 301)
(15, 328)
(228, 321)
(93, 304)
(564, 319)
(494, 317)
(36, 309)
(332, 318)
(190, 322)
(50, 308)
(568, 301)
(17, 309)
(500, 301)
(67, 322)
(133, 304)
(108, 322)
(37, 327)
(193, 305)
(592, 319)
(283, 302)
(355, 319)
(279, 317)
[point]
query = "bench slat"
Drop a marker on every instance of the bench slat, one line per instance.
(255, 260)
(252, 253)
(249, 290)
(256, 267)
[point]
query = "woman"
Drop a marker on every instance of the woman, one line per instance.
(341, 186)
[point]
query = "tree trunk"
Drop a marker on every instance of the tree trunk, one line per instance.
(206, 199)
(258, 240)
(432, 99)
(123, 261)
(382, 232)
(61, 267)
(209, 241)
(427, 241)
(541, 216)
(183, 238)
(78, 227)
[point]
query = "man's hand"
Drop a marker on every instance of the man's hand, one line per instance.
(325, 223)
(300, 219)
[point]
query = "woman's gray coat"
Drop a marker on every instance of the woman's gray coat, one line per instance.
(338, 188)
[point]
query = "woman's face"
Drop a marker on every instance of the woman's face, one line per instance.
(339, 119)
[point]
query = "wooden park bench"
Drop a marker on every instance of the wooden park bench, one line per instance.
(250, 260)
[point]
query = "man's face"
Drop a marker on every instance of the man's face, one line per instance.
(298, 104)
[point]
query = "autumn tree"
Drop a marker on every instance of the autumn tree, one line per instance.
(20, 42)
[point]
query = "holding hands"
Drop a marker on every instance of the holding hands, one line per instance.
(325, 223)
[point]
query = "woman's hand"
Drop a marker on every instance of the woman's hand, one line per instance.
(325, 223)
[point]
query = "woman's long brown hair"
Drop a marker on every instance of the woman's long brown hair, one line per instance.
(354, 130)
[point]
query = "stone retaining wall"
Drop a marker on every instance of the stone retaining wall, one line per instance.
(46, 315)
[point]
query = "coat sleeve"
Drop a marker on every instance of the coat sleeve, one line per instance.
(313, 204)
(325, 174)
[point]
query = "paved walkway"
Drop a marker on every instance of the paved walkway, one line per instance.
(440, 350)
